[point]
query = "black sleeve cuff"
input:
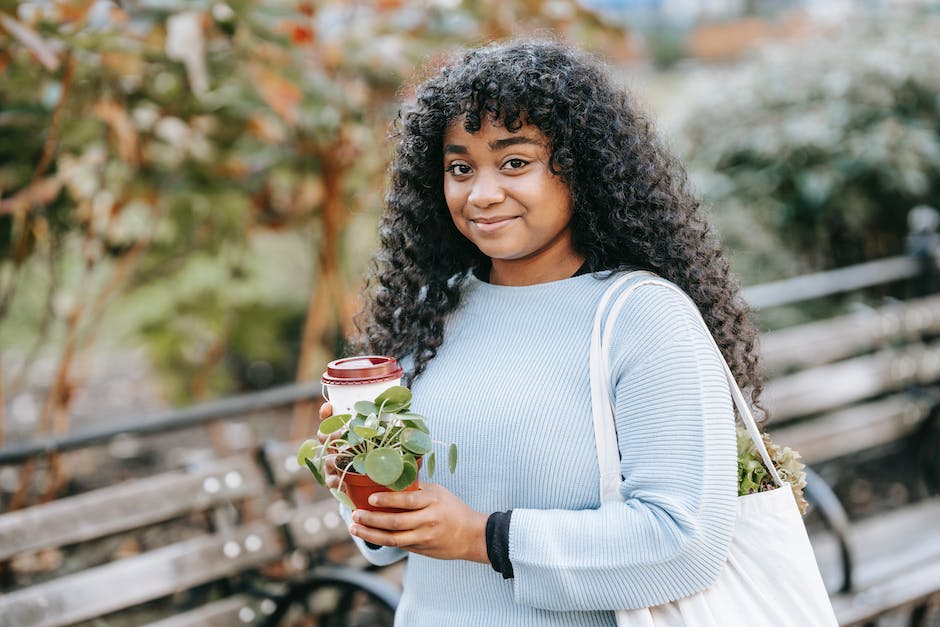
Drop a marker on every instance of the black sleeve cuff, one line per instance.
(374, 547)
(497, 543)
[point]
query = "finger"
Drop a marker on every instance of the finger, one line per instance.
(326, 410)
(329, 462)
(398, 539)
(417, 499)
(389, 521)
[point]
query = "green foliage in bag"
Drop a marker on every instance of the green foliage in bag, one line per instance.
(753, 475)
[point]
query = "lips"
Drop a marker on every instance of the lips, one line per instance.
(492, 224)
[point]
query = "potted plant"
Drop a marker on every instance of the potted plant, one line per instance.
(379, 448)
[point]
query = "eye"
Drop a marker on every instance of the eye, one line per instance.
(458, 169)
(515, 163)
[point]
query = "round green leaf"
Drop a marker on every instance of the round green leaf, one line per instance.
(384, 465)
(415, 421)
(351, 435)
(365, 408)
(452, 458)
(365, 432)
(394, 399)
(409, 473)
(432, 464)
(359, 463)
(308, 450)
(334, 423)
(340, 496)
(416, 441)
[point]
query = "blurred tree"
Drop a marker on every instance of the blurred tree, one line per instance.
(811, 155)
(206, 175)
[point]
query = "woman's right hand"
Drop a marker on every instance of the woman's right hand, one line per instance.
(331, 473)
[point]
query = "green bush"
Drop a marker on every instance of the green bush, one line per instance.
(811, 155)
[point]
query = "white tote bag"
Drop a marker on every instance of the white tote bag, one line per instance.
(771, 578)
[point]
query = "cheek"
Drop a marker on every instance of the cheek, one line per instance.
(455, 199)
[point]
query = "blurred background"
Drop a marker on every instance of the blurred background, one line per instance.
(189, 190)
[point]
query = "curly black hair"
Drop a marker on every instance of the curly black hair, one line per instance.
(632, 206)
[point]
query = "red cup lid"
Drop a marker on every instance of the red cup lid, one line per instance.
(361, 369)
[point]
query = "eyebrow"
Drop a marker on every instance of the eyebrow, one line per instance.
(496, 144)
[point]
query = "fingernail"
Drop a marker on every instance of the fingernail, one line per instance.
(373, 500)
(352, 530)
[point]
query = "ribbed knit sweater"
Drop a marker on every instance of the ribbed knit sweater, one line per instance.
(510, 385)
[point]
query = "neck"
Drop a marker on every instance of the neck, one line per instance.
(519, 272)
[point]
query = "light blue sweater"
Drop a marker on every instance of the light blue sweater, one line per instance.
(510, 385)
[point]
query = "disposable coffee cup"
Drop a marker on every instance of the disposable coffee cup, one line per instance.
(352, 379)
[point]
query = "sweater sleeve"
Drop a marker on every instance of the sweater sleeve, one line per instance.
(675, 428)
(381, 556)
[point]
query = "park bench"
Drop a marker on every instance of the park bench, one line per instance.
(241, 539)
(851, 393)
(243, 536)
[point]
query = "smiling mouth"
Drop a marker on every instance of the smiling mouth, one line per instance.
(489, 225)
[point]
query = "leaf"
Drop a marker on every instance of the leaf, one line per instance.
(384, 465)
(452, 458)
(409, 473)
(432, 464)
(316, 472)
(279, 92)
(416, 421)
(365, 408)
(309, 449)
(334, 423)
(359, 463)
(30, 39)
(365, 433)
(122, 126)
(351, 435)
(340, 496)
(395, 399)
(416, 441)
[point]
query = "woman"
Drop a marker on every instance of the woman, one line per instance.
(523, 179)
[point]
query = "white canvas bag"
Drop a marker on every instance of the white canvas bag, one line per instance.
(770, 578)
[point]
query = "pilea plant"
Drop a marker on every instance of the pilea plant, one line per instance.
(753, 475)
(383, 440)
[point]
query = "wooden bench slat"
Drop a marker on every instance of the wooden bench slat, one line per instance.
(317, 525)
(141, 578)
(240, 609)
(884, 545)
(829, 387)
(128, 505)
(281, 459)
(854, 429)
(908, 587)
(825, 341)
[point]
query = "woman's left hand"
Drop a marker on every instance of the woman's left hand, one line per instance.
(437, 524)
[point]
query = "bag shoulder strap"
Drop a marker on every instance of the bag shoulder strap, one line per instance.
(605, 430)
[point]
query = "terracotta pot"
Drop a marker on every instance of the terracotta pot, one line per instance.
(360, 487)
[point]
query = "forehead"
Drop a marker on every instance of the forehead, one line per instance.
(490, 134)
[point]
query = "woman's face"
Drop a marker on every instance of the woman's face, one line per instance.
(503, 197)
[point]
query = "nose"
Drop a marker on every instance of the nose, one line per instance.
(486, 190)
